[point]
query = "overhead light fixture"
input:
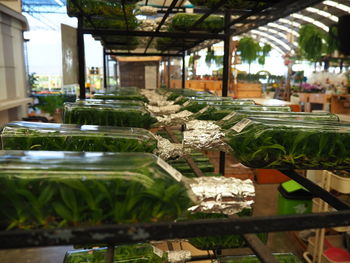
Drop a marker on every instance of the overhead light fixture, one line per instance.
(284, 36)
(276, 40)
(322, 13)
(59, 2)
(284, 28)
(311, 20)
(266, 41)
(292, 23)
(342, 7)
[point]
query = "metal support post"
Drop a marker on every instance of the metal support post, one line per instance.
(183, 71)
(168, 73)
(225, 78)
(109, 257)
(105, 65)
(226, 62)
(81, 59)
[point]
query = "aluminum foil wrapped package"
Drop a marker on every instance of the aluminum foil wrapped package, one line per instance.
(226, 195)
(167, 150)
(179, 118)
(148, 10)
(201, 125)
(164, 110)
(204, 135)
(179, 256)
(155, 98)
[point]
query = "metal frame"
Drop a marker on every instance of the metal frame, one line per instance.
(132, 233)
(273, 10)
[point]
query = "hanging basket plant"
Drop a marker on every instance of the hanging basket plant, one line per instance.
(331, 41)
(310, 41)
(265, 50)
(249, 50)
(181, 22)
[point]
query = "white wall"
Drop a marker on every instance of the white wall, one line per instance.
(13, 97)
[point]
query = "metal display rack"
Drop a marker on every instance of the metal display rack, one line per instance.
(236, 22)
(132, 233)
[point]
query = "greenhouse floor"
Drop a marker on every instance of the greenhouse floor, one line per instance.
(265, 205)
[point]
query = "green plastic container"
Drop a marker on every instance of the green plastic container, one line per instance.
(293, 199)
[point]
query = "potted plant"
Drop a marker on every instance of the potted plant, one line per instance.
(181, 22)
(251, 51)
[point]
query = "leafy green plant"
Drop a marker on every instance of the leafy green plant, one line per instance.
(285, 144)
(282, 258)
(120, 96)
(72, 192)
(181, 22)
(33, 81)
(139, 253)
(265, 50)
(302, 116)
(310, 42)
(108, 115)
(24, 136)
(51, 103)
(217, 111)
(331, 41)
(249, 50)
(196, 104)
(221, 242)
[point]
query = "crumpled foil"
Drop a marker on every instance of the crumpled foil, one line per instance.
(204, 135)
(148, 10)
(164, 110)
(167, 150)
(201, 125)
(179, 256)
(156, 99)
(226, 195)
(179, 118)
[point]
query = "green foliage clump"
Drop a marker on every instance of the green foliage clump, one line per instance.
(78, 193)
(285, 144)
(51, 104)
(221, 242)
(302, 116)
(217, 112)
(135, 97)
(181, 22)
(139, 253)
(108, 115)
(70, 139)
(281, 258)
(310, 42)
(251, 51)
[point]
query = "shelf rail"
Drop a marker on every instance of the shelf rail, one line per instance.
(132, 233)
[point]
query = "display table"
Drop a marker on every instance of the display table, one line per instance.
(340, 104)
(247, 90)
(314, 98)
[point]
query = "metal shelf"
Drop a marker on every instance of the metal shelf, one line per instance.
(133, 233)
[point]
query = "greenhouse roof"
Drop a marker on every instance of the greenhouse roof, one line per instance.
(283, 34)
(271, 21)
